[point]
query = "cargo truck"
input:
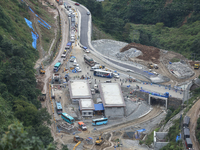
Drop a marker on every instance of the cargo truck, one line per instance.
(82, 126)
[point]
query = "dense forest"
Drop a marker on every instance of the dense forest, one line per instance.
(171, 25)
(24, 124)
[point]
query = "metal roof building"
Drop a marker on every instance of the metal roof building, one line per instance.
(79, 89)
(112, 99)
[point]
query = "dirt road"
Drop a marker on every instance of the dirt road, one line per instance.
(194, 113)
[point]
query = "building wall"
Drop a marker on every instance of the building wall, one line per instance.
(87, 113)
(114, 112)
(142, 95)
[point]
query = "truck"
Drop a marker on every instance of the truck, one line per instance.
(60, 61)
(82, 126)
(88, 60)
(56, 78)
(196, 66)
(68, 46)
(63, 56)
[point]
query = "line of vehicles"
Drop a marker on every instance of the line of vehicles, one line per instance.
(186, 133)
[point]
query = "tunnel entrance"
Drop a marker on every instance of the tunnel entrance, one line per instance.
(157, 100)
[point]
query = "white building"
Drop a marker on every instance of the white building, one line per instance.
(112, 99)
(79, 89)
(86, 107)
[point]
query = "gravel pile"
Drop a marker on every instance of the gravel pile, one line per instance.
(180, 70)
(131, 53)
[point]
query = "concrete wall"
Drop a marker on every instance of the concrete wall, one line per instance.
(87, 113)
(114, 112)
(174, 102)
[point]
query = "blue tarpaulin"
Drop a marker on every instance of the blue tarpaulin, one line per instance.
(34, 43)
(141, 130)
(98, 107)
(29, 23)
(43, 24)
(178, 137)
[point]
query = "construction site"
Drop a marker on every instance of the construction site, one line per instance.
(129, 105)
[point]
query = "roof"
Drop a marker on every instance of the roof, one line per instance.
(68, 116)
(84, 47)
(59, 106)
(111, 95)
(99, 119)
(186, 131)
(80, 123)
(98, 107)
(57, 64)
(188, 141)
(79, 89)
(186, 120)
(69, 43)
(86, 104)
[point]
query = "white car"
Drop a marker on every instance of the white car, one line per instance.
(78, 69)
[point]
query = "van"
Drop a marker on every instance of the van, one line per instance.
(115, 75)
(108, 81)
(94, 67)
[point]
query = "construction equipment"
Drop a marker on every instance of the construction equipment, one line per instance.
(42, 97)
(99, 140)
(56, 78)
(151, 66)
(42, 71)
(77, 139)
(76, 145)
(196, 66)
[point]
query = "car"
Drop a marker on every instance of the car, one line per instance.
(115, 75)
(78, 69)
(72, 59)
(88, 13)
(77, 4)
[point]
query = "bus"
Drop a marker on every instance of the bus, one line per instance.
(99, 121)
(88, 60)
(57, 66)
(103, 73)
(58, 108)
(67, 118)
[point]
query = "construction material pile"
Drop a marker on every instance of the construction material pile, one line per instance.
(150, 53)
(130, 53)
(180, 70)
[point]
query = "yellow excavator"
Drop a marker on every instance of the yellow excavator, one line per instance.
(99, 140)
(42, 71)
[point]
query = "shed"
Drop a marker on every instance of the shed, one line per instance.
(186, 121)
(186, 133)
(99, 109)
(188, 143)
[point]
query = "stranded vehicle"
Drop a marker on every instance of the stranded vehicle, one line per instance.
(82, 126)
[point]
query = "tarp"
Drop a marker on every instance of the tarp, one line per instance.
(34, 43)
(98, 107)
(29, 23)
(178, 137)
(43, 24)
(141, 130)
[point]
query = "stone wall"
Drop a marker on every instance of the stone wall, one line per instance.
(141, 95)
(174, 102)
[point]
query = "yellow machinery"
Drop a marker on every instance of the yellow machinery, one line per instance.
(150, 65)
(196, 66)
(42, 71)
(76, 145)
(99, 140)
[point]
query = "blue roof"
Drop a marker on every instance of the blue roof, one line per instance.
(98, 107)
(59, 106)
(68, 116)
(69, 44)
(57, 64)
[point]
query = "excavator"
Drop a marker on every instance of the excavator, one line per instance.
(42, 71)
(78, 140)
(99, 140)
(196, 66)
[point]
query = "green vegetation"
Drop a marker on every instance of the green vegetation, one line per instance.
(173, 132)
(174, 26)
(171, 113)
(149, 139)
(23, 122)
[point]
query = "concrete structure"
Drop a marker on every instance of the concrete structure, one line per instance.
(158, 98)
(159, 140)
(86, 107)
(112, 99)
(79, 89)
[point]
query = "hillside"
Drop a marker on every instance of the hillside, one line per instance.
(167, 24)
(22, 118)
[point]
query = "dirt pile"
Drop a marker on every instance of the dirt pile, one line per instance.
(150, 53)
